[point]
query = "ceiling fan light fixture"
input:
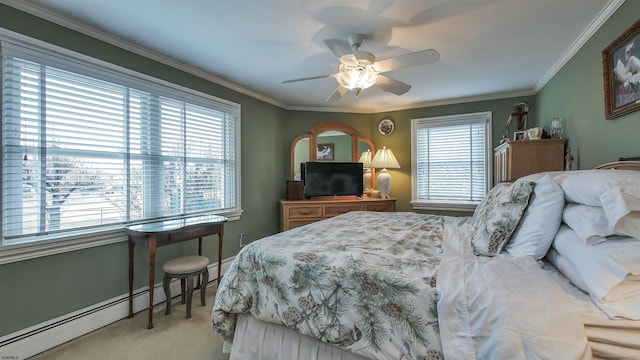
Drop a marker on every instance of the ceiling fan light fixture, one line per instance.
(359, 70)
(357, 77)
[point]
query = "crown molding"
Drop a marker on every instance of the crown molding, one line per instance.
(468, 99)
(452, 101)
(602, 17)
(83, 28)
(109, 38)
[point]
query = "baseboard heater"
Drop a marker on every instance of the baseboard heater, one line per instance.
(49, 334)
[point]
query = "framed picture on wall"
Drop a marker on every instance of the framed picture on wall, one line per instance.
(325, 152)
(621, 73)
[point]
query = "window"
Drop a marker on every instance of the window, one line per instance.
(451, 158)
(88, 147)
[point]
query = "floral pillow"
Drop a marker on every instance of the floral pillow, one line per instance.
(498, 215)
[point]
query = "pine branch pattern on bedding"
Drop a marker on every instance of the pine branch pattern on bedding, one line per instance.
(334, 281)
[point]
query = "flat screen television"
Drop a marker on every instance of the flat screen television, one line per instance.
(333, 179)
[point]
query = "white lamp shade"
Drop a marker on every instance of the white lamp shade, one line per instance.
(384, 159)
(365, 159)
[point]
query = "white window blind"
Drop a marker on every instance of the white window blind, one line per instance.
(451, 161)
(86, 147)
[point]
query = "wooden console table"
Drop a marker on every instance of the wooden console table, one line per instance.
(160, 233)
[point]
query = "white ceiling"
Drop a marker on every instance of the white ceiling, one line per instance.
(488, 48)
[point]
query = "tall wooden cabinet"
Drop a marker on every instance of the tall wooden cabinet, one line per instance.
(301, 212)
(515, 159)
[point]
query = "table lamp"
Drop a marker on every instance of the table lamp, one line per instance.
(384, 159)
(365, 159)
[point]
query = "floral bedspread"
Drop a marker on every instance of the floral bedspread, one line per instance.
(363, 281)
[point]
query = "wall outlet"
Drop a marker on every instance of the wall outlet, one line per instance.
(242, 239)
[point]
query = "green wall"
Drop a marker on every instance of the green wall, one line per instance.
(400, 140)
(38, 290)
(575, 95)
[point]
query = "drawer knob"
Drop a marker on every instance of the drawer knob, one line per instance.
(304, 212)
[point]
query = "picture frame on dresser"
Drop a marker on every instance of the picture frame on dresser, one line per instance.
(621, 73)
(520, 135)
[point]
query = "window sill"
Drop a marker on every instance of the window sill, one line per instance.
(36, 249)
(443, 206)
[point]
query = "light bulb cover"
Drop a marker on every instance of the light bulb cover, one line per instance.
(356, 77)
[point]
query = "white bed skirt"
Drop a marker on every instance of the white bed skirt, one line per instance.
(255, 339)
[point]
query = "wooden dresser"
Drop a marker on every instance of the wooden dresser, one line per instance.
(301, 212)
(514, 159)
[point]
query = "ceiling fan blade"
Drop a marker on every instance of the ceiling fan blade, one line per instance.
(429, 56)
(338, 47)
(391, 85)
(308, 78)
(337, 93)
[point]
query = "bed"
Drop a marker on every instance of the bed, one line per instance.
(547, 267)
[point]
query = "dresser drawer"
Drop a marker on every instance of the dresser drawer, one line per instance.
(305, 212)
(295, 213)
(296, 223)
(389, 207)
(334, 210)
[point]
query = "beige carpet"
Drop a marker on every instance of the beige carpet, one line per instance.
(172, 337)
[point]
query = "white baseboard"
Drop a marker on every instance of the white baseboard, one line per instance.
(49, 334)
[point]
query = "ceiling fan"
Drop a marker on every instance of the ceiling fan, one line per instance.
(359, 69)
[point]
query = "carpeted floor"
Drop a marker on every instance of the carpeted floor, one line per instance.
(172, 337)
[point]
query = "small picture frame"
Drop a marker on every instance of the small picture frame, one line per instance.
(520, 135)
(325, 152)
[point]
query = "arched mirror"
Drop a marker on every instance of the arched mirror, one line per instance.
(299, 154)
(330, 141)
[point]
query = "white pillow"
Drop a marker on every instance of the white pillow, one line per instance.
(609, 270)
(540, 221)
(622, 207)
(537, 176)
(566, 268)
(616, 191)
(589, 222)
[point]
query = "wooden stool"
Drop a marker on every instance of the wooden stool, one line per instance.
(185, 268)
